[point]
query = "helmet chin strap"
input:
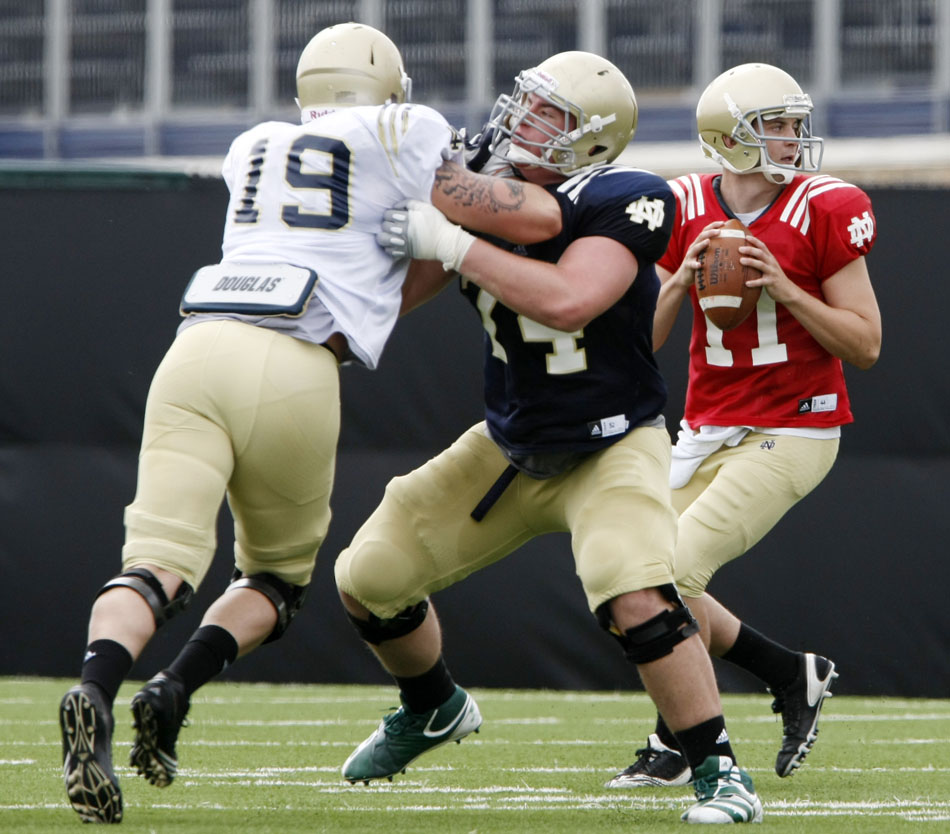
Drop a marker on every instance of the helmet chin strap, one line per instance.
(777, 176)
(518, 155)
(773, 173)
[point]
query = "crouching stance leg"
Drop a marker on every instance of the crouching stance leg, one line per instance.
(668, 652)
(441, 710)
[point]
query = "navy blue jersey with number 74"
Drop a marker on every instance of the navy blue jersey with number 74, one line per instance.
(550, 393)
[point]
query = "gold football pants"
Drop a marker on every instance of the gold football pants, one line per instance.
(421, 538)
(246, 412)
(737, 495)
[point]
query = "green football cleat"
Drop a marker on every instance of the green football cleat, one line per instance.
(403, 736)
(724, 794)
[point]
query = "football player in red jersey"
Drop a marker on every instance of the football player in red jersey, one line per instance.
(766, 400)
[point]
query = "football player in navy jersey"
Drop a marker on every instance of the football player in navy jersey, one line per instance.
(573, 437)
(767, 399)
(246, 401)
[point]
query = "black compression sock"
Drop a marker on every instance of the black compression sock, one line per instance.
(665, 734)
(428, 690)
(106, 664)
(706, 739)
(206, 654)
(767, 660)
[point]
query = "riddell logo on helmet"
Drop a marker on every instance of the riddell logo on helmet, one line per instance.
(547, 81)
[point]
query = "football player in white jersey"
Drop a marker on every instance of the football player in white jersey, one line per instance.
(573, 438)
(245, 403)
(766, 400)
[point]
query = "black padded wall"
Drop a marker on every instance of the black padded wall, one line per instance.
(95, 267)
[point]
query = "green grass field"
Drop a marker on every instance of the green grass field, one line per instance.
(266, 758)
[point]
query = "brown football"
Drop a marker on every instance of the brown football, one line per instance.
(720, 280)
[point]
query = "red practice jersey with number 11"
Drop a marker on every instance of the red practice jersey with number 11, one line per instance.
(769, 372)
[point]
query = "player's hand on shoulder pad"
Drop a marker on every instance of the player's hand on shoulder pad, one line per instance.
(456, 150)
(417, 229)
(480, 158)
(496, 166)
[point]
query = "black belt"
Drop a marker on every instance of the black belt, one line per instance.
(494, 492)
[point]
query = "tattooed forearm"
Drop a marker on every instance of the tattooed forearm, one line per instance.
(489, 194)
(505, 207)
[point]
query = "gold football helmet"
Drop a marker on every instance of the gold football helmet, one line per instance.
(738, 103)
(350, 64)
(579, 84)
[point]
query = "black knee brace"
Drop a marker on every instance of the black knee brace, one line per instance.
(656, 637)
(286, 598)
(376, 630)
(144, 582)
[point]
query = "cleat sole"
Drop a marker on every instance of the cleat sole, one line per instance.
(92, 791)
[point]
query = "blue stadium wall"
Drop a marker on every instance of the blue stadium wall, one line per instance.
(95, 264)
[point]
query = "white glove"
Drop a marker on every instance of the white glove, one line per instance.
(414, 229)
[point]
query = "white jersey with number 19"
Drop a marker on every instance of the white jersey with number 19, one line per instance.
(313, 195)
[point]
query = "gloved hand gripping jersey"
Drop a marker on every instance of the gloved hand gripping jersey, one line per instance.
(414, 229)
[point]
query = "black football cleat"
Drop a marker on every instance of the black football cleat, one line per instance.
(91, 784)
(800, 705)
(657, 766)
(158, 713)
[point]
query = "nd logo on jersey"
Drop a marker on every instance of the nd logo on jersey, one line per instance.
(647, 212)
(862, 229)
